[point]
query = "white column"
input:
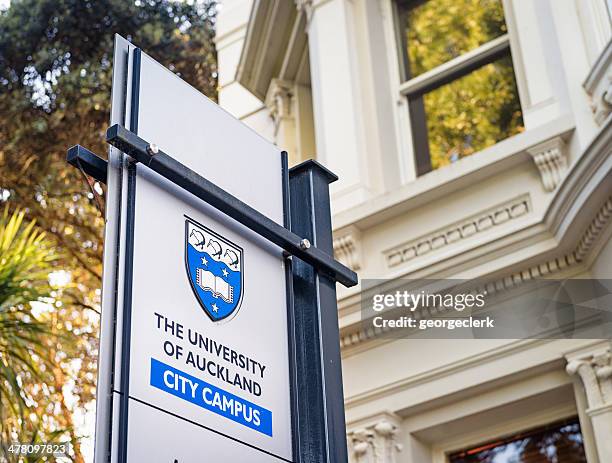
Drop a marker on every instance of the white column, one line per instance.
(595, 373)
(337, 102)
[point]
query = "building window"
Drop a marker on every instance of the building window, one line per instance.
(458, 78)
(558, 442)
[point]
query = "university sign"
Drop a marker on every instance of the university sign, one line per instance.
(219, 337)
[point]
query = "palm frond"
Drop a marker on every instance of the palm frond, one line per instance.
(26, 258)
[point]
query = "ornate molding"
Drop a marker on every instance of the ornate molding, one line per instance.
(546, 268)
(347, 247)
(594, 230)
(279, 100)
(585, 244)
(550, 158)
(595, 372)
(450, 234)
(376, 443)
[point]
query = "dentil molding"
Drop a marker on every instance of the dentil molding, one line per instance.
(594, 230)
(543, 269)
(505, 212)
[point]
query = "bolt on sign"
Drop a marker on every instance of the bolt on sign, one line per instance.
(199, 356)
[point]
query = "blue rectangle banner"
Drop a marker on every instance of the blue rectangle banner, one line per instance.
(209, 397)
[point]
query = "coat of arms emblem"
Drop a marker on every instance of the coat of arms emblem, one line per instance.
(214, 268)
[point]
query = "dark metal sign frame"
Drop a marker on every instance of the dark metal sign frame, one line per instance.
(319, 433)
(169, 168)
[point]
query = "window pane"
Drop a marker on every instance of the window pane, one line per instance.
(436, 31)
(472, 112)
(557, 443)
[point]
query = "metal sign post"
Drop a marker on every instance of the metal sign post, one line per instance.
(321, 435)
(219, 332)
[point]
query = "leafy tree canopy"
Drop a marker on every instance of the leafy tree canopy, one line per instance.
(55, 79)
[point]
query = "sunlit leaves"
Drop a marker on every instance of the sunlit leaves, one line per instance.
(55, 84)
(472, 113)
(28, 338)
(439, 30)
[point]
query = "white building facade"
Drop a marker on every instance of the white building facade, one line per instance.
(355, 84)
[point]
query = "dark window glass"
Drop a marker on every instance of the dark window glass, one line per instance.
(471, 105)
(437, 31)
(472, 112)
(556, 443)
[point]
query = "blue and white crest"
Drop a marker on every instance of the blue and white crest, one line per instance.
(214, 267)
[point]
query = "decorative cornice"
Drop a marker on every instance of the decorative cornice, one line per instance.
(268, 25)
(507, 211)
(347, 247)
(594, 230)
(550, 158)
(376, 443)
(546, 268)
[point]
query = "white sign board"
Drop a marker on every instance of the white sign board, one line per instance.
(201, 300)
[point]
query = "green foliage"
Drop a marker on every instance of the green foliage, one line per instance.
(25, 259)
(26, 256)
(55, 84)
(55, 79)
(479, 109)
(440, 30)
(472, 113)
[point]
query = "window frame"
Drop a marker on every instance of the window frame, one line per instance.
(441, 450)
(522, 434)
(414, 88)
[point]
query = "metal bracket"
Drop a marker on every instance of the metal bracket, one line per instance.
(93, 165)
(169, 168)
(320, 433)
